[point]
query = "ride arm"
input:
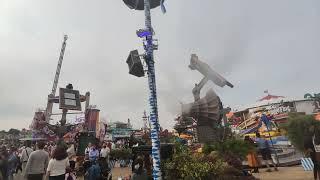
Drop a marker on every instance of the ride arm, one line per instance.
(56, 79)
(196, 90)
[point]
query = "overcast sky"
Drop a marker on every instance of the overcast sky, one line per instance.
(256, 45)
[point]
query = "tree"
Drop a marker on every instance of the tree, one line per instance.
(15, 132)
(300, 129)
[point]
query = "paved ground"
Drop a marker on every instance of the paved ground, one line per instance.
(284, 173)
(120, 172)
(116, 172)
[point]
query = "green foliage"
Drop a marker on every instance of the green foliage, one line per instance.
(167, 139)
(120, 154)
(237, 147)
(185, 165)
(212, 165)
(300, 128)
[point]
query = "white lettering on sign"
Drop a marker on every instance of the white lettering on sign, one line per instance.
(70, 102)
(278, 109)
(69, 96)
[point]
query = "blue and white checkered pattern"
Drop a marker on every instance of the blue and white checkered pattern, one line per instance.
(307, 164)
(122, 162)
(112, 163)
(155, 128)
(129, 163)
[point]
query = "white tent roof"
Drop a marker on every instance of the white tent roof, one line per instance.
(266, 102)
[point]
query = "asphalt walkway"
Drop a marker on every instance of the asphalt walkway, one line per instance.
(284, 173)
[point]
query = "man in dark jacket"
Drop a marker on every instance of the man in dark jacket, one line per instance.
(4, 162)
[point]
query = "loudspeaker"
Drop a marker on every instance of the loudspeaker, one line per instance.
(135, 64)
(139, 4)
(207, 112)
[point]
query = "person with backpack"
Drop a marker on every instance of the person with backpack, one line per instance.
(25, 155)
(37, 163)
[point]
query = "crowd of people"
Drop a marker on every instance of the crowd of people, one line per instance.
(52, 161)
(33, 161)
(59, 161)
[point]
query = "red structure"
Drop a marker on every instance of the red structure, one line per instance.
(269, 97)
(92, 120)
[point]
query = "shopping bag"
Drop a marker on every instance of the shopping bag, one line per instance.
(307, 164)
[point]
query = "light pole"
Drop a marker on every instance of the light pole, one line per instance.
(136, 68)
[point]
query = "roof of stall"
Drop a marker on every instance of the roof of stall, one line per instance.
(268, 100)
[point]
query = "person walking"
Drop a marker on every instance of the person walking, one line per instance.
(37, 163)
(139, 173)
(94, 153)
(12, 163)
(104, 153)
(26, 151)
(71, 150)
(87, 150)
(264, 150)
(252, 156)
(312, 146)
(58, 164)
(4, 162)
(94, 171)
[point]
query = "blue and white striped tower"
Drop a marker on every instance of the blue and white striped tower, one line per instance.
(137, 70)
(149, 47)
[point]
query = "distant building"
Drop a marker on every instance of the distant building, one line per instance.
(118, 130)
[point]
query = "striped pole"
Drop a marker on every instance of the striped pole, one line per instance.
(153, 94)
